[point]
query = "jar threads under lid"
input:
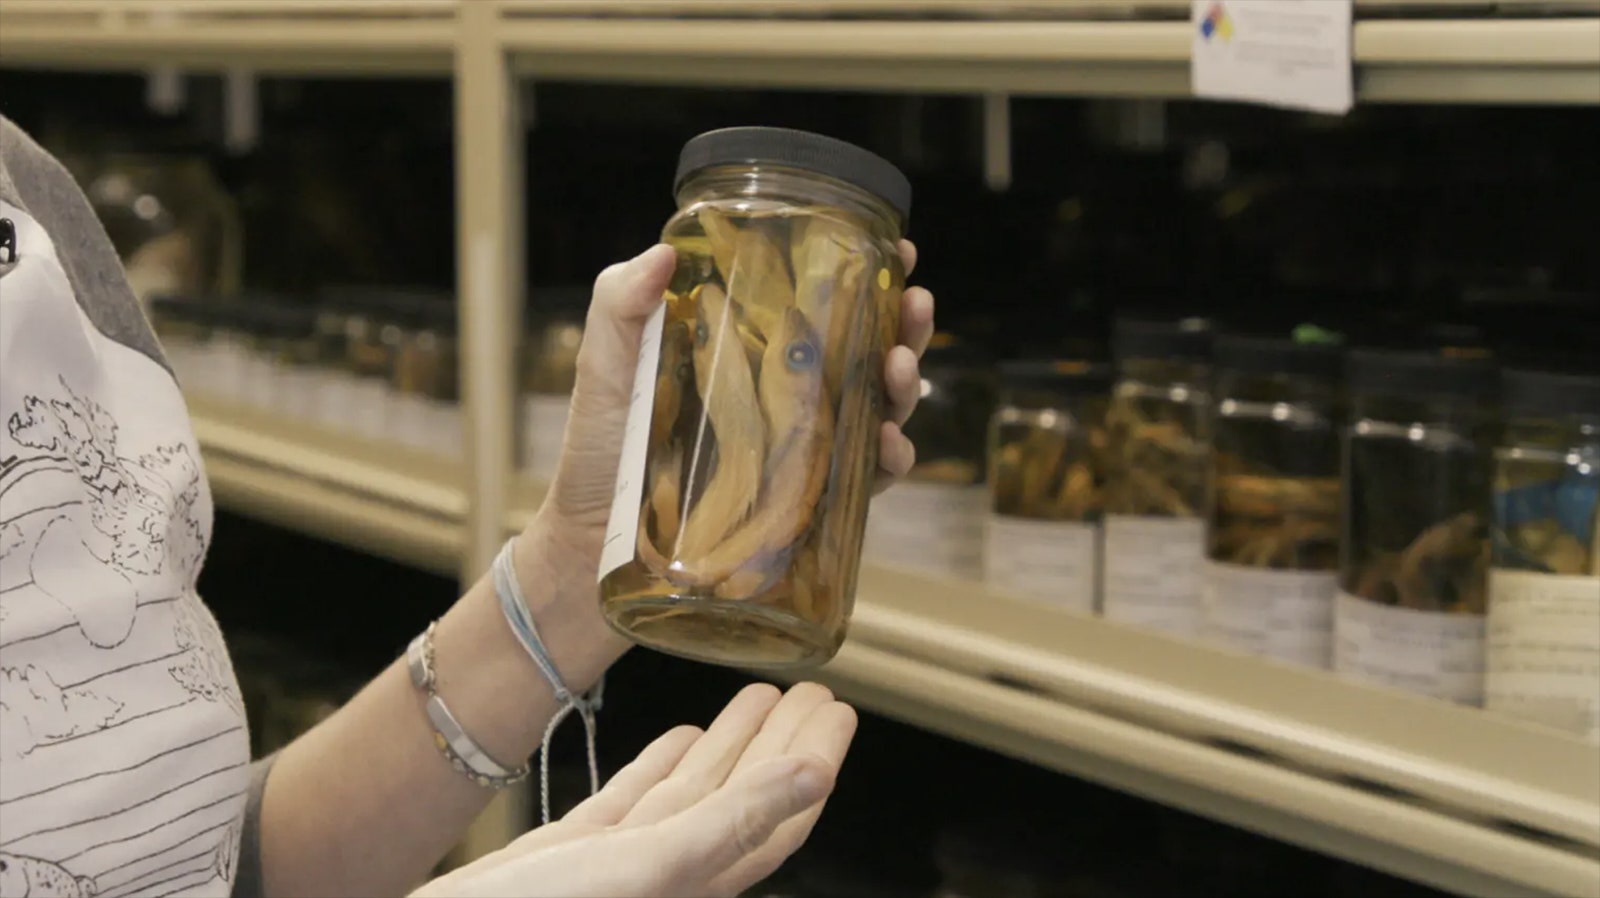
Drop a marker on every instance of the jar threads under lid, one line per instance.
(1056, 375)
(1246, 354)
(1421, 375)
(1179, 340)
(1534, 393)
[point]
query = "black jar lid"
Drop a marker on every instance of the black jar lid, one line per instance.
(1420, 375)
(1250, 354)
(1180, 339)
(1071, 376)
(798, 149)
(1554, 394)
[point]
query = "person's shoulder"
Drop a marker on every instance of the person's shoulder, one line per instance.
(23, 162)
(37, 184)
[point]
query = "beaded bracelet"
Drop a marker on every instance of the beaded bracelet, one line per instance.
(460, 749)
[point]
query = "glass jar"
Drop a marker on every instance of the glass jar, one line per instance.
(932, 522)
(183, 332)
(227, 352)
(735, 534)
(330, 375)
(1047, 455)
(1543, 629)
(171, 222)
(265, 339)
(296, 362)
(1414, 556)
(371, 338)
(1159, 429)
(549, 370)
(1272, 544)
(427, 414)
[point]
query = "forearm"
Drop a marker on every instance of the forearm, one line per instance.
(364, 804)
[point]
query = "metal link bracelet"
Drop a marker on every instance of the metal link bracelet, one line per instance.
(460, 749)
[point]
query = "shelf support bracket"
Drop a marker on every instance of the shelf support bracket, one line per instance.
(489, 271)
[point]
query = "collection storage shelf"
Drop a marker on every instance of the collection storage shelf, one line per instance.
(1424, 61)
(1451, 796)
(400, 505)
(297, 37)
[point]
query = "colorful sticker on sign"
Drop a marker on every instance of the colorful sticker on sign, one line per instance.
(1217, 23)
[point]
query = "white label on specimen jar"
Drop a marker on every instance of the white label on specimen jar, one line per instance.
(1054, 561)
(369, 408)
(1434, 653)
(1288, 53)
(1543, 650)
(544, 424)
(411, 421)
(1152, 572)
(335, 399)
(935, 528)
(622, 530)
(1281, 614)
(297, 392)
(444, 428)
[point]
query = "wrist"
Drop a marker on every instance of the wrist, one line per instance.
(556, 567)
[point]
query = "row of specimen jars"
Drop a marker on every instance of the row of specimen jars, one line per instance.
(376, 364)
(1420, 520)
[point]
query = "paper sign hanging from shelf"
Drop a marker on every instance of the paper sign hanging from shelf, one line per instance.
(1288, 53)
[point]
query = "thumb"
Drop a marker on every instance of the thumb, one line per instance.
(737, 819)
(625, 295)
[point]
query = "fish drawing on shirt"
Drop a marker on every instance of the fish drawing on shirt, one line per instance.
(30, 877)
(34, 711)
(99, 530)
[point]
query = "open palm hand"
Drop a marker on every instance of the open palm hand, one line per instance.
(697, 813)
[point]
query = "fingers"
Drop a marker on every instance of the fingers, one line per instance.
(903, 382)
(704, 841)
(908, 256)
(827, 734)
(916, 319)
(706, 765)
(783, 724)
(629, 785)
(625, 295)
(896, 456)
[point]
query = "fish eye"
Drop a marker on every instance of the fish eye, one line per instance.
(801, 355)
(702, 334)
(683, 373)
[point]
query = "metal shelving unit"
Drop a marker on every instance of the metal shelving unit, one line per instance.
(1442, 794)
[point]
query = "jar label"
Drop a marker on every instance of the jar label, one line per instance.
(1153, 572)
(444, 428)
(1543, 649)
(1286, 615)
(335, 399)
(544, 426)
(368, 414)
(934, 528)
(297, 393)
(411, 421)
(260, 381)
(622, 529)
(1434, 653)
(1054, 561)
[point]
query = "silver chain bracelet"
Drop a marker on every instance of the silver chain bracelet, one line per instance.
(460, 749)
